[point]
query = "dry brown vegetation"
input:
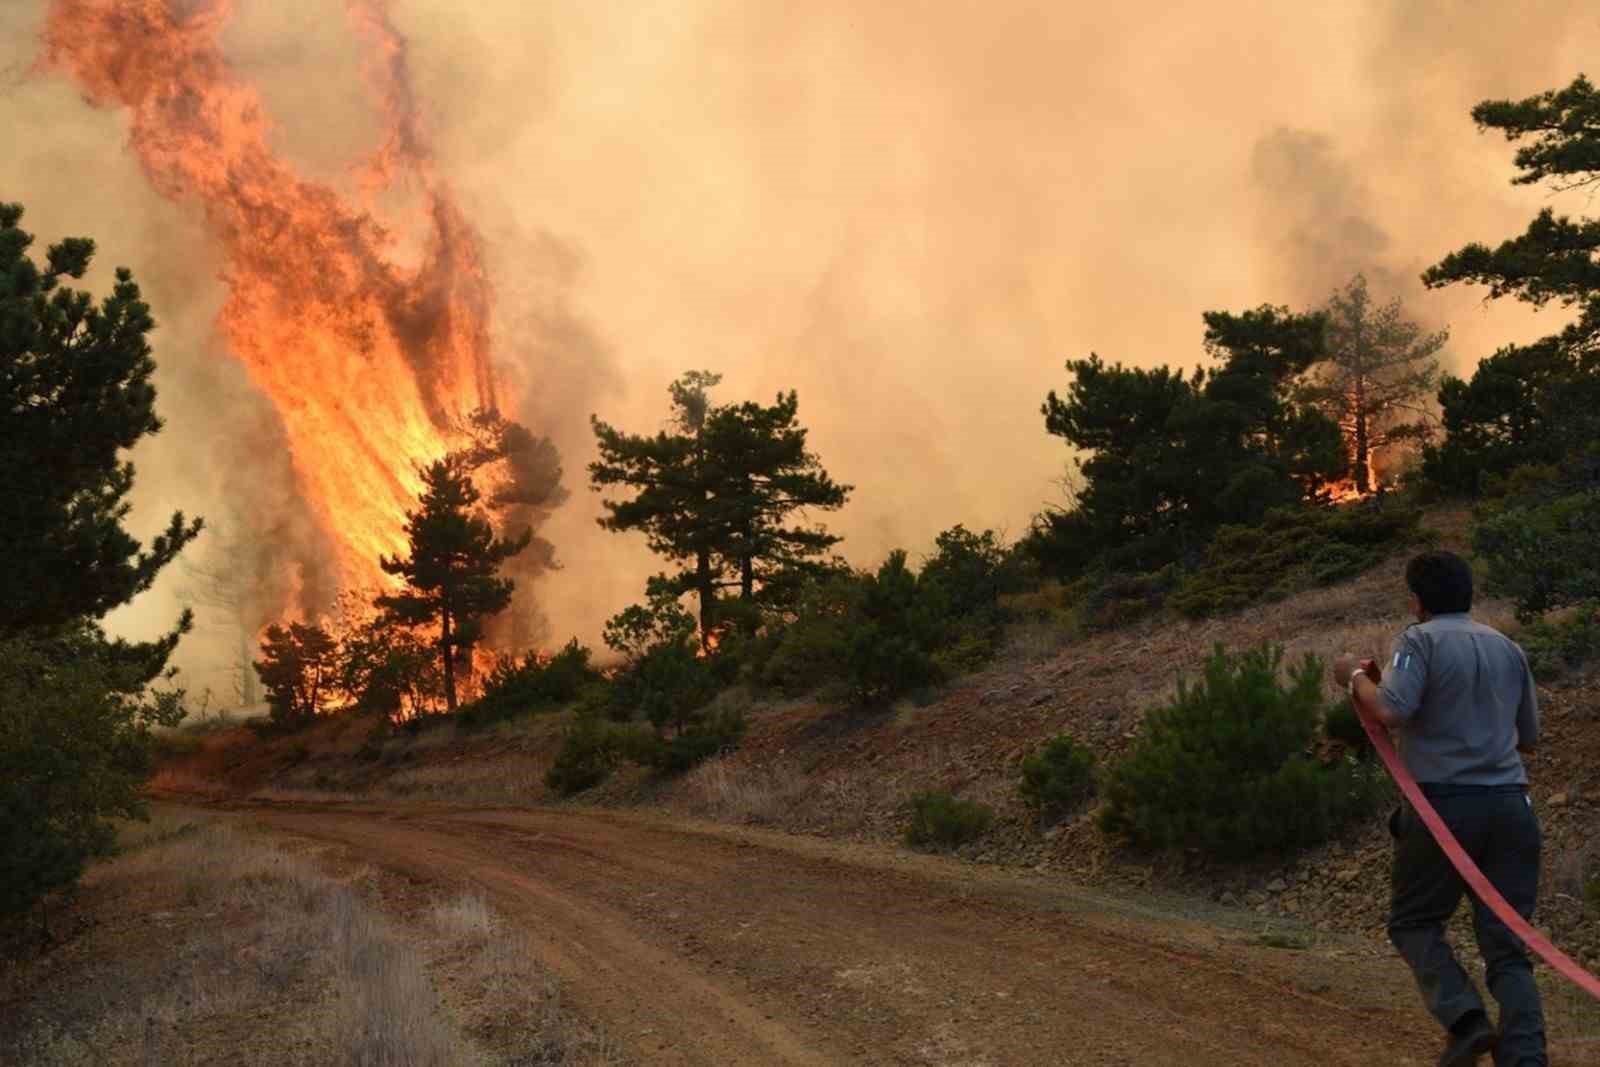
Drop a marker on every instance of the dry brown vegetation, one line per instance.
(207, 943)
(808, 766)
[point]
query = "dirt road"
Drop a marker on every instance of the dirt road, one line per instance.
(710, 945)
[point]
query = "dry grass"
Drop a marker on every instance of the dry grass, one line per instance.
(255, 955)
(723, 790)
(504, 996)
(851, 798)
(507, 780)
(179, 779)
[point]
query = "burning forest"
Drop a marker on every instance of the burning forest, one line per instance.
(362, 315)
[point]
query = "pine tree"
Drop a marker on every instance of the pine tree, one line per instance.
(1535, 403)
(1379, 373)
(297, 668)
(76, 394)
(716, 494)
(1167, 458)
(450, 574)
(763, 474)
(75, 717)
(673, 484)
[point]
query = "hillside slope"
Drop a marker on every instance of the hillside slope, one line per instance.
(812, 768)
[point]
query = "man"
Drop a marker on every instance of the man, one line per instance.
(1461, 699)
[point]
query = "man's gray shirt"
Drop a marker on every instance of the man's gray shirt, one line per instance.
(1466, 696)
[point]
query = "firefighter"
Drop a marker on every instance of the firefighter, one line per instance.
(1460, 698)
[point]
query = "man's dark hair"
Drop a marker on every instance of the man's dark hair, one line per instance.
(1442, 581)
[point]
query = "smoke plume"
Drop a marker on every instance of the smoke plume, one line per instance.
(911, 213)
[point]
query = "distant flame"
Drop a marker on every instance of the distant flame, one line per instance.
(1345, 489)
(369, 363)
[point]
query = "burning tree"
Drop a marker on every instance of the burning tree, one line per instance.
(450, 574)
(1377, 376)
(298, 666)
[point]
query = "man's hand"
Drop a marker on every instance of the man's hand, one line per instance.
(1364, 695)
(1349, 663)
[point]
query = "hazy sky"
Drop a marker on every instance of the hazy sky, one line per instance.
(912, 213)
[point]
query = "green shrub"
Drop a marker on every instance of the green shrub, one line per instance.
(814, 647)
(940, 818)
(1109, 601)
(1525, 486)
(590, 750)
(1544, 556)
(873, 633)
(967, 651)
(534, 684)
(75, 733)
(882, 634)
(1224, 766)
(1292, 549)
(889, 650)
(1555, 647)
(717, 733)
(1059, 776)
(1050, 602)
(667, 685)
(974, 571)
(1341, 723)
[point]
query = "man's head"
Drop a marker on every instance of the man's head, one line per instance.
(1440, 583)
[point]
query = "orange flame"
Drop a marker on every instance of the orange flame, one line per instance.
(370, 364)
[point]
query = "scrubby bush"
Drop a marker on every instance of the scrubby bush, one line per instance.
(534, 684)
(591, 749)
(1291, 550)
(1556, 646)
(889, 649)
(876, 634)
(975, 571)
(1546, 555)
(75, 746)
(716, 733)
(812, 650)
(1225, 766)
(666, 678)
(1063, 544)
(668, 686)
(1059, 776)
(941, 818)
(1107, 601)
(390, 670)
(1341, 723)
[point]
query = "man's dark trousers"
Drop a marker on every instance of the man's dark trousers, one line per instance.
(1497, 828)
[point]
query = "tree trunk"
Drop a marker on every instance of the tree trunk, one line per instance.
(449, 662)
(703, 586)
(1363, 447)
(747, 568)
(248, 695)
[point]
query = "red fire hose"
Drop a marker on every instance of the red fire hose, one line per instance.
(1475, 879)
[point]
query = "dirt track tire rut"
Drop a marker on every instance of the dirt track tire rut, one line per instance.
(711, 945)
